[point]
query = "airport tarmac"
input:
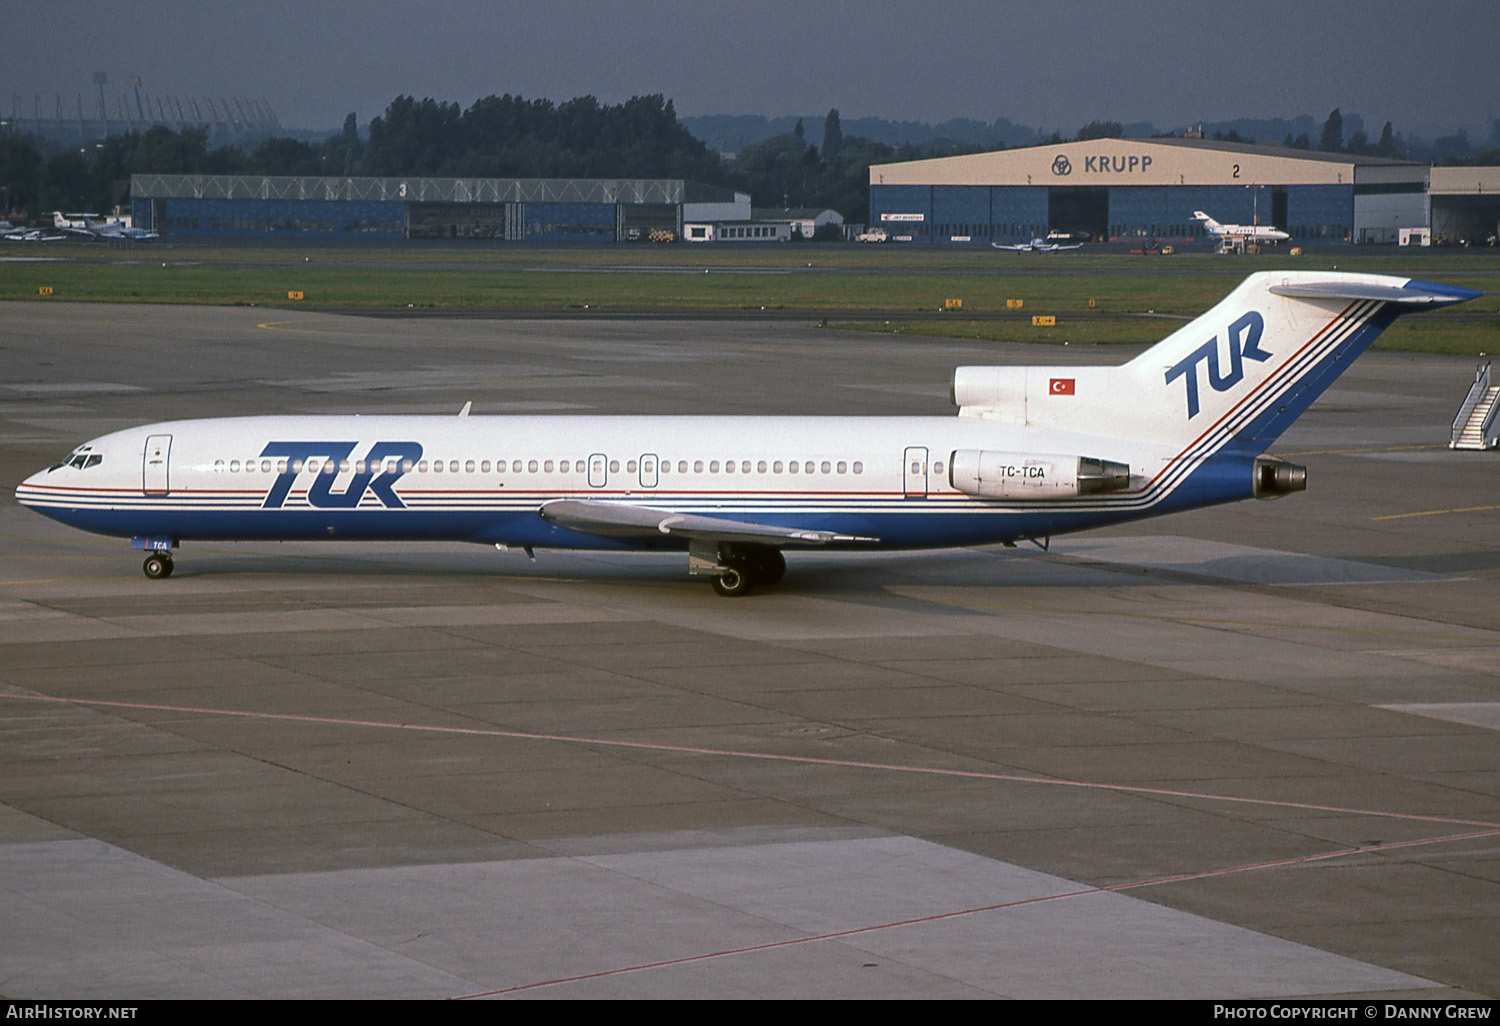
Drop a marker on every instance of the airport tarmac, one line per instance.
(1244, 752)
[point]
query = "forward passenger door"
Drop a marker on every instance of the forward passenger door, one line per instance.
(155, 478)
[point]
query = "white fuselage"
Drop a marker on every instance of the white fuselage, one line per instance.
(484, 478)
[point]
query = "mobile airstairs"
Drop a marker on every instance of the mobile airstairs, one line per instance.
(1477, 425)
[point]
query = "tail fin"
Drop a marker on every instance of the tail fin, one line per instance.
(1249, 367)
(1208, 223)
(1237, 376)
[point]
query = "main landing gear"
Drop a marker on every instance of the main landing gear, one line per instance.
(743, 567)
(158, 565)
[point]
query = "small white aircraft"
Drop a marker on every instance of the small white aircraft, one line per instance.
(116, 230)
(89, 226)
(32, 235)
(1033, 452)
(1036, 246)
(73, 220)
(1248, 232)
(78, 225)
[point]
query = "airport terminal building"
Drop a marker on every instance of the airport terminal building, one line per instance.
(508, 209)
(1143, 189)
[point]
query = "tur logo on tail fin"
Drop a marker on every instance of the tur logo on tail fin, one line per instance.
(1244, 344)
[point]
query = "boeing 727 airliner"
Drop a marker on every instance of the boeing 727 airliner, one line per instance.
(1033, 452)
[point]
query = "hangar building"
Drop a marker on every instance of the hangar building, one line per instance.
(1466, 205)
(509, 209)
(1126, 189)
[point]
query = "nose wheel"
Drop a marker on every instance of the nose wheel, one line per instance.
(157, 566)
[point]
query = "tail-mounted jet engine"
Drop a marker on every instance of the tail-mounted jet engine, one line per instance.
(1012, 475)
(1275, 477)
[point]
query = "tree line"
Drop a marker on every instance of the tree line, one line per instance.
(511, 137)
(496, 137)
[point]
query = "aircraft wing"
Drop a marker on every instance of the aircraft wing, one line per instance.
(1024, 247)
(622, 520)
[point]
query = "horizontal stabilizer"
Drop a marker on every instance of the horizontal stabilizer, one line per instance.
(621, 520)
(1413, 293)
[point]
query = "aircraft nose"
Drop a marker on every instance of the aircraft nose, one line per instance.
(26, 491)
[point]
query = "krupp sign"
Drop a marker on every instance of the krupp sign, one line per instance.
(1103, 163)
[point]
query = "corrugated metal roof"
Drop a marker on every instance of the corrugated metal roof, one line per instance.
(1274, 151)
(411, 190)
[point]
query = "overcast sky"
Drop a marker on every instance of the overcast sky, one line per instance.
(1430, 66)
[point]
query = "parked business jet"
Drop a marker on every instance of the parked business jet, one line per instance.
(1033, 452)
(1249, 232)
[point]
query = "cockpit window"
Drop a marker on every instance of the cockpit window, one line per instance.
(80, 459)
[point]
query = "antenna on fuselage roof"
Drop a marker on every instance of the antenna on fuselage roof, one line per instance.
(465, 411)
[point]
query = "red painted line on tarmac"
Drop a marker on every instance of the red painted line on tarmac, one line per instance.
(806, 760)
(940, 916)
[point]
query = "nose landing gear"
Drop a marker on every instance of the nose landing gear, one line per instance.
(158, 565)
